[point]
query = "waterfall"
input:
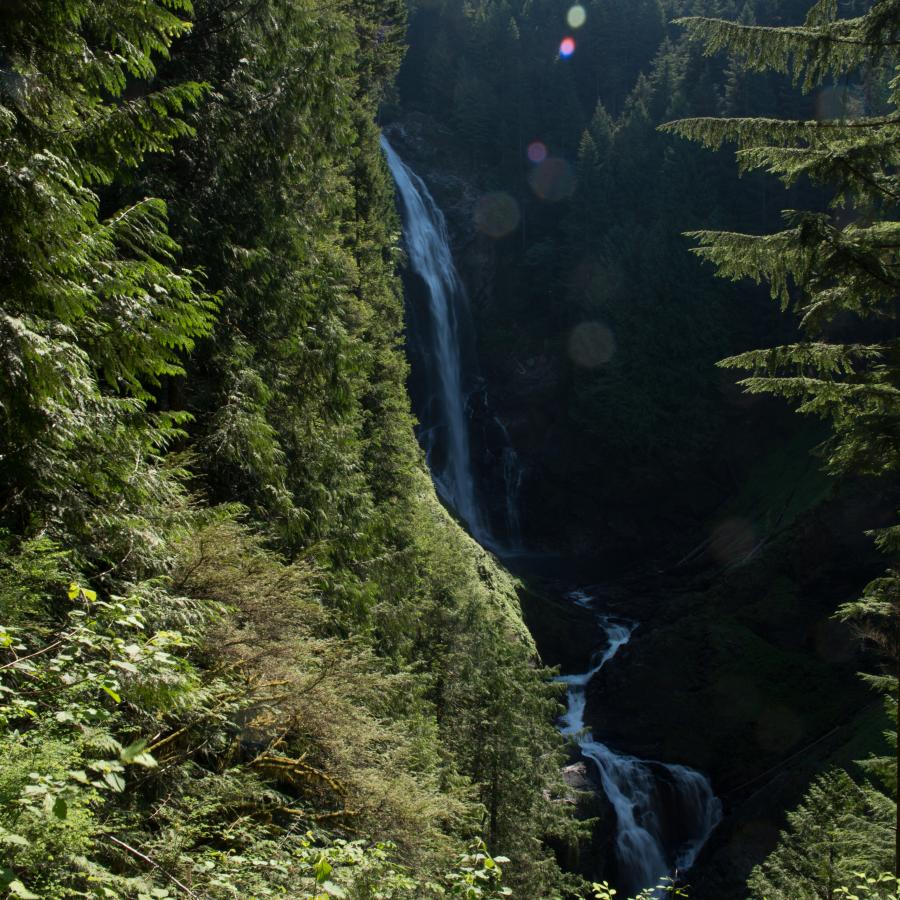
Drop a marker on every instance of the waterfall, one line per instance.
(428, 246)
(664, 813)
(445, 416)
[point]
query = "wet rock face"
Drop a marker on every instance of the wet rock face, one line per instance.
(579, 776)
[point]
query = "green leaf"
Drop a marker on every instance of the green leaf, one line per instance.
(8, 837)
(115, 781)
(135, 754)
(129, 753)
(17, 889)
(111, 693)
(322, 869)
(125, 666)
(76, 590)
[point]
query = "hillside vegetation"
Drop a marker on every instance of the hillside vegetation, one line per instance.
(244, 650)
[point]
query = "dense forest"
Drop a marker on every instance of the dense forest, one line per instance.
(247, 648)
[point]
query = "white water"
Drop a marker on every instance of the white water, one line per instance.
(637, 788)
(428, 246)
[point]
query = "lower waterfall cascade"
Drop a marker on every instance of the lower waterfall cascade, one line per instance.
(649, 844)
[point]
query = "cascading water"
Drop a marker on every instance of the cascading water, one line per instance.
(428, 245)
(664, 813)
(446, 419)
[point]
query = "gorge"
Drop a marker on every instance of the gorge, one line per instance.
(664, 813)
(652, 477)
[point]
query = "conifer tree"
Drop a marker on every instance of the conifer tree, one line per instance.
(840, 828)
(838, 269)
(94, 308)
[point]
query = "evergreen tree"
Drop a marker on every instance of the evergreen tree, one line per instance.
(272, 708)
(838, 830)
(96, 310)
(838, 270)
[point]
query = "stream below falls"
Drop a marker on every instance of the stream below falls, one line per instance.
(664, 813)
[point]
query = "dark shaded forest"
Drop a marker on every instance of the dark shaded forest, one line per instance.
(598, 330)
(692, 501)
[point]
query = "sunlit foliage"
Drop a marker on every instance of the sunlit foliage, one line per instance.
(243, 649)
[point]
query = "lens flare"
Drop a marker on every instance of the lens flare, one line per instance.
(576, 16)
(537, 152)
(596, 283)
(496, 214)
(737, 695)
(591, 344)
(553, 180)
(567, 47)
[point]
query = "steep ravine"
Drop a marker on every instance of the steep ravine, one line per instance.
(736, 668)
(663, 813)
(572, 502)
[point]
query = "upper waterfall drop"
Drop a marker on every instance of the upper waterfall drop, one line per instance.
(428, 246)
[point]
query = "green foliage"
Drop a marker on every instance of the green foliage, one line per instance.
(252, 726)
(95, 309)
(836, 271)
(200, 307)
(841, 828)
(479, 875)
(884, 885)
(603, 891)
(823, 46)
